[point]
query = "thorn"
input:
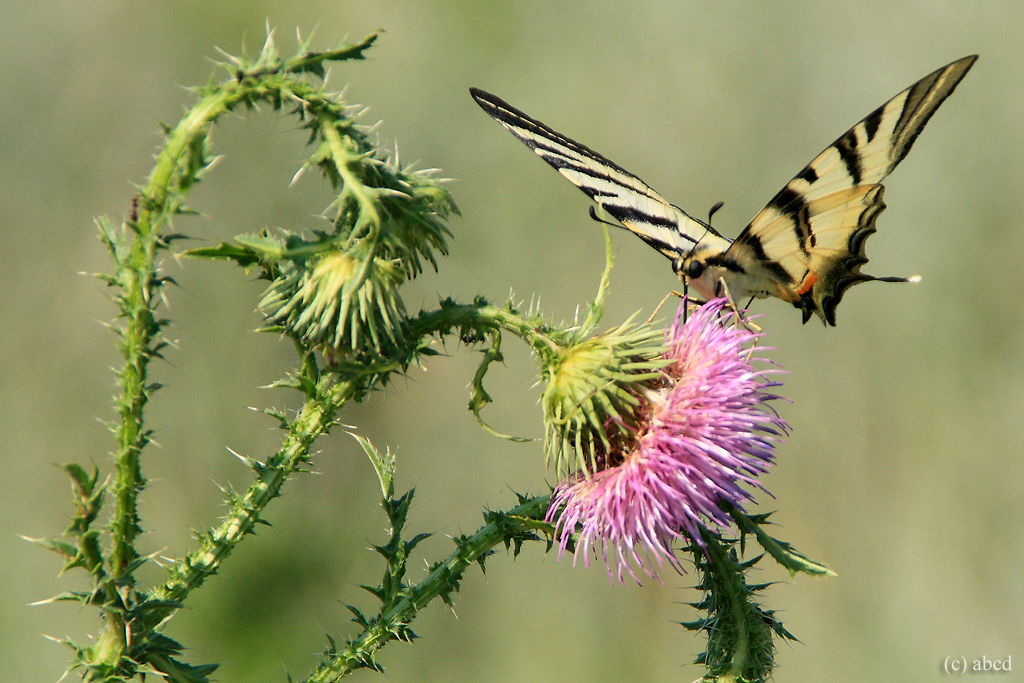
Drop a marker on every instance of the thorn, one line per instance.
(298, 174)
(47, 601)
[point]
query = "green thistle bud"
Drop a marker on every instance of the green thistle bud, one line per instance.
(593, 394)
(346, 301)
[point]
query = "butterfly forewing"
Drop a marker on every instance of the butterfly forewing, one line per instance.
(791, 230)
(623, 195)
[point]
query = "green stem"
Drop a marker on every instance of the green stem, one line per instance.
(542, 338)
(721, 563)
(137, 347)
(499, 529)
(177, 167)
(316, 418)
(129, 620)
(137, 274)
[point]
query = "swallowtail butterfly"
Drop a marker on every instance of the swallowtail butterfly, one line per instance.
(805, 247)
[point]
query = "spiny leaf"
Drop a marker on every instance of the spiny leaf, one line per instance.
(84, 597)
(781, 551)
(384, 465)
(312, 62)
(415, 541)
(62, 548)
(246, 258)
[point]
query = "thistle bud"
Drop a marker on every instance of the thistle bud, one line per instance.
(344, 301)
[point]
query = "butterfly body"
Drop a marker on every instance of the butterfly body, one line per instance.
(706, 267)
(805, 247)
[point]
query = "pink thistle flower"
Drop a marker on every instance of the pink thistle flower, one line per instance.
(703, 431)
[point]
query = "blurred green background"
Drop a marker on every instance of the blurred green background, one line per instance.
(904, 469)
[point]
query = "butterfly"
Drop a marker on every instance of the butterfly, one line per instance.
(805, 247)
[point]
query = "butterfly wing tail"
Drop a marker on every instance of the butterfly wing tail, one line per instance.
(845, 221)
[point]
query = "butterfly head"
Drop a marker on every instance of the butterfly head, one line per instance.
(696, 273)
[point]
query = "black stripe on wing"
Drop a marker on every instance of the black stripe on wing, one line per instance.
(784, 238)
(622, 194)
(505, 113)
(870, 150)
(922, 99)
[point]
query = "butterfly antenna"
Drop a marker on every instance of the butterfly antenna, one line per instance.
(713, 210)
(593, 215)
(697, 243)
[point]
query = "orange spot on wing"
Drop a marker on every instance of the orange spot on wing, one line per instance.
(808, 283)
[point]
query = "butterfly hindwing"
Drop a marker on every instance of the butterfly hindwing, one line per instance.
(810, 237)
(623, 195)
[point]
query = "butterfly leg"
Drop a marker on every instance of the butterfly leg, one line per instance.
(740, 320)
(681, 295)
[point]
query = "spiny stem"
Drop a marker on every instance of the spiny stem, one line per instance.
(316, 418)
(176, 169)
(719, 559)
(137, 349)
(441, 580)
(178, 166)
(137, 275)
(541, 337)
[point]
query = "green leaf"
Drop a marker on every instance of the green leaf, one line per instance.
(358, 617)
(313, 62)
(262, 245)
(244, 257)
(84, 597)
(384, 466)
(85, 483)
(415, 541)
(480, 397)
(781, 551)
(282, 419)
(150, 604)
(66, 550)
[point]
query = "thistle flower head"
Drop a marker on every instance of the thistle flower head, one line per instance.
(703, 431)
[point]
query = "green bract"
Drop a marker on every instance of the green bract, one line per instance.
(592, 393)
